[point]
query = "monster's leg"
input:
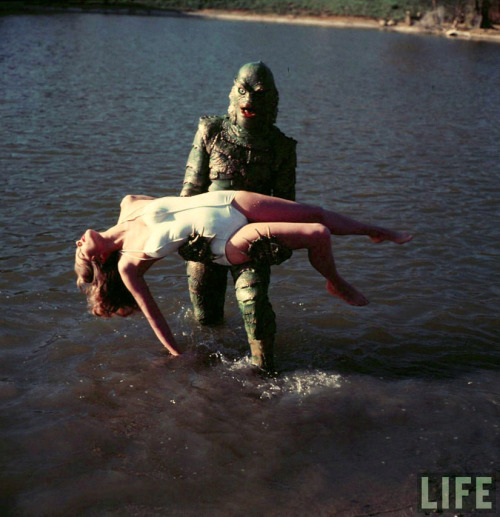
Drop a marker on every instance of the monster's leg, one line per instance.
(207, 288)
(251, 282)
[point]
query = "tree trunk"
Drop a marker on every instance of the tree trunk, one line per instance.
(485, 14)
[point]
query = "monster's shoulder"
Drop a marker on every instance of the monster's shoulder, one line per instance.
(209, 126)
(281, 141)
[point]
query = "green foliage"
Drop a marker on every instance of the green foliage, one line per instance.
(387, 9)
(368, 8)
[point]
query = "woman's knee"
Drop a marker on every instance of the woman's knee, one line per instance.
(319, 232)
(314, 214)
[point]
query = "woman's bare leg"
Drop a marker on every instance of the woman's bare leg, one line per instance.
(260, 208)
(311, 236)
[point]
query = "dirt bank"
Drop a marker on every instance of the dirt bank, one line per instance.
(354, 22)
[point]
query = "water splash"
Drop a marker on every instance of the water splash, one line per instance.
(300, 383)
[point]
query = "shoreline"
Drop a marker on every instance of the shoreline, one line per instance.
(350, 22)
(319, 20)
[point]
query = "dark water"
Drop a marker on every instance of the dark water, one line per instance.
(401, 129)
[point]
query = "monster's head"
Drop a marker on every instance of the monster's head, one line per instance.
(253, 98)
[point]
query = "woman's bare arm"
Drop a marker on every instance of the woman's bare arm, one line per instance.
(134, 280)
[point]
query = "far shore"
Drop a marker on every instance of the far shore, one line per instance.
(352, 22)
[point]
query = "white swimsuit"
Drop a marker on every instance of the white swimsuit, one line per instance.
(172, 219)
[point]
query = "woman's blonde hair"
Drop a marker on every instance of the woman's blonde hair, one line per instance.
(102, 284)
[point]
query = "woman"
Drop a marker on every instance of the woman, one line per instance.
(110, 265)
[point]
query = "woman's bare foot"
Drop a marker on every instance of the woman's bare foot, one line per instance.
(346, 292)
(388, 235)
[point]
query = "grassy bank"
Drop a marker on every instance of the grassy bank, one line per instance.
(469, 13)
(392, 9)
(361, 8)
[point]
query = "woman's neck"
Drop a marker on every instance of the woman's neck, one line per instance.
(113, 238)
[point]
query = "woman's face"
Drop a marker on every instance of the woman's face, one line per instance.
(89, 245)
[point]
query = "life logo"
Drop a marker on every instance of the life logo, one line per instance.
(457, 493)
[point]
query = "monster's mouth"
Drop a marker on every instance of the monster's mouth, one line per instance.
(248, 111)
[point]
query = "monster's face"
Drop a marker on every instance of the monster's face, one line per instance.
(254, 98)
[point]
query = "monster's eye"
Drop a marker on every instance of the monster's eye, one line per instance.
(241, 91)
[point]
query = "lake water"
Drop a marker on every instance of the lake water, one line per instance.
(401, 129)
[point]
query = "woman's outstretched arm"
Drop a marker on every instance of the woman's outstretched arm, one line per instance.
(134, 281)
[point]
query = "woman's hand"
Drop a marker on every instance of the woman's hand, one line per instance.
(132, 276)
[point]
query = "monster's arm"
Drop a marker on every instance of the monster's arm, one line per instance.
(284, 184)
(196, 179)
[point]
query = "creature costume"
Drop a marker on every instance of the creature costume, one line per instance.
(260, 158)
(173, 221)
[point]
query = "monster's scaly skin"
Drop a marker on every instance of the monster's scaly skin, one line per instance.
(243, 150)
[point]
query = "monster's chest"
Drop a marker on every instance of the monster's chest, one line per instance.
(246, 167)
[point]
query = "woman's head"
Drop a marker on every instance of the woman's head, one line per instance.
(92, 246)
(101, 282)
